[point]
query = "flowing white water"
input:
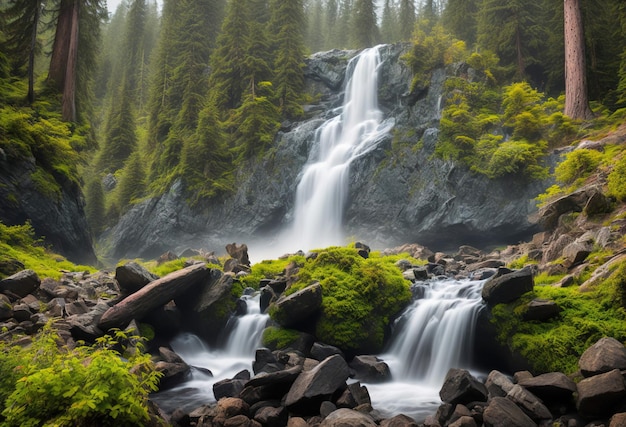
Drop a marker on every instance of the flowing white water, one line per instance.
(433, 335)
(323, 188)
(243, 338)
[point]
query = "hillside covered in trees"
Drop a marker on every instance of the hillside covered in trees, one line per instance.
(125, 104)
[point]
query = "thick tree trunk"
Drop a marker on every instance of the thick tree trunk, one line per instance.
(68, 109)
(60, 48)
(576, 100)
(31, 54)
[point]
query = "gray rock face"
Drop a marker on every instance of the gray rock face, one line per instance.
(20, 284)
(502, 412)
(131, 277)
(508, 287)
(298, 306)
(461, 387)
(60, 219)
(398, 195)
(600, 395)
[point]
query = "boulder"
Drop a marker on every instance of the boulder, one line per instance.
(84, 325)
(541, 310)
(239, 252)
(461, 387)
(400, 420)
(529, 403)
(508, 287)
(576, 252)
(603, 356)
(314, 386)
(172, 373)
(20, 284)
(230, 407)
(618, 420)
(464, 421)
(154, 295)
(370, 369)
(354, 395)
(502, 412)
(270, 416)
(299, 306)
(6, 309)
(321, 351)
(348, 418)
(548, 216)
(498, 384)
(228, 387)
(598, 396)
(131, 277)
(550, 387)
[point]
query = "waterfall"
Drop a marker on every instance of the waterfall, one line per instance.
(323, 187)
(434, 334)
(243, 338)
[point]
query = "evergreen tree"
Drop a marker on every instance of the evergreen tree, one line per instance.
(132, 182)
(512, 29)
(459, 17)
(315, 27)
(288, 20)
(343, 35)
(428, 15)
(330, 26)
(94, 206)
(576, 96)
(363, 28)
(389, 23)
(407, 19)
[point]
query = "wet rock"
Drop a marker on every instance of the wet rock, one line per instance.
(20, 284)
(173, 373)
(598, 396)
(314, 386)
(370, 369)
(321, 351)
(348, 418)
(400, 420)
(461, 387)
(131, 277)
(508, 287)
(603, 356)
(550, 387)
(502, 412)
(299, 306)
(354, 395)
(228, 387)
(529, 403)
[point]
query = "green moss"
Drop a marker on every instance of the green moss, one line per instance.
(556, 345)
(278, 338)
(268, 269)
(521, 262)
(360, 296)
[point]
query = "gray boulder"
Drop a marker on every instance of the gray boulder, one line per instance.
(370, 369)
(20, 284)
(550, 387)
(299, 306)
(508, 287)
(529, 403)
(316, 385)
(462, 387)
(541, 310)
(131, 277)
(498, 384)
(348, 418)
(603, 356)
(599, 396)
(502, 412)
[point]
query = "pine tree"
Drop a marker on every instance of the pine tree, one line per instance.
(330, 24)
(94, 206)
(364, 30)
(389, 23)
(132, 182)
(344, 29)
(459, 17)
(287, 23)
(315, 28)
(407, 19)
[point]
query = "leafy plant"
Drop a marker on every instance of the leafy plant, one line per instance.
(578, 165)
(48, 385)
(616, 180)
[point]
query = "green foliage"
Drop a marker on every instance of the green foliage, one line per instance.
(132, 182)
(44, 385)
(94, 206)
(269, 269)
(556, 345)
(278, 338)
(578, 165)
(359, 297)
(500, 133)
(616, 181)
(19, 243)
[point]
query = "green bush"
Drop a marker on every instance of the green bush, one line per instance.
(278, 338)
(616, 180)
(359, 297)
(44, 385)
(578, 165)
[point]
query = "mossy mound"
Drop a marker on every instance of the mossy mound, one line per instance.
(360, 297)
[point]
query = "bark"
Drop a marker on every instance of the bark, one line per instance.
(68, 108)
(576, 99)
(31, 55)
(60, 48)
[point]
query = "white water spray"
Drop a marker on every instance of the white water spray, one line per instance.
(434, 334)
(323, 189)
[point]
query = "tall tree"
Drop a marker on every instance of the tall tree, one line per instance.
(407, 19)
(389, 23)
(287, 23)
(132, 182)
(576, 97)
(94, 206)
(363, 28)
(343, 24)
(459, 17)
(331, 17)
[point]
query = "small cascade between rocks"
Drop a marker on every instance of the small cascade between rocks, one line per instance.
(242, 338)
(434, 334)
(323, 187)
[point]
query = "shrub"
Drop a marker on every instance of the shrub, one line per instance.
(616, 180)
(578, 165)
(46, 385)
(279, 338)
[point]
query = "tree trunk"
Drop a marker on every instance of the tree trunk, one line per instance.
(576, 100)
(60, 48)
(68, 108)
(31, 55)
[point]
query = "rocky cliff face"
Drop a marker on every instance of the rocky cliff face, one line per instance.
(60, 218)
(398, 193)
